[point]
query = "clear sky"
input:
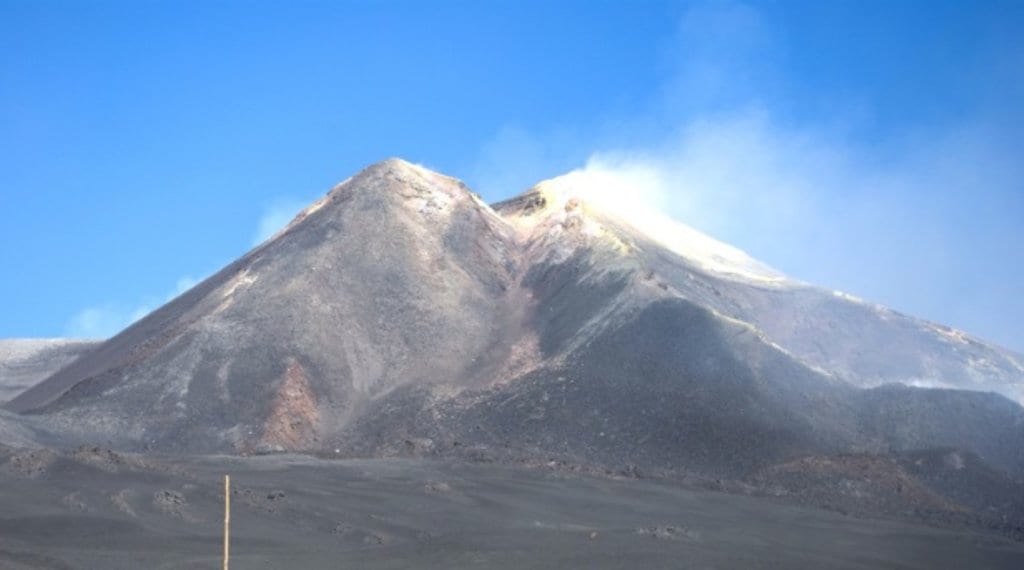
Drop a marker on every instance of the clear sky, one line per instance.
(873, 147)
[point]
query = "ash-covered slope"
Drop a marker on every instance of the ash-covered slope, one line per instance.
(401, 316)
(24, 362)
(640, 359)
(864, 344)
(399, 275)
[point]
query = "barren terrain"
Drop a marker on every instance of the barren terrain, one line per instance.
(95, 509)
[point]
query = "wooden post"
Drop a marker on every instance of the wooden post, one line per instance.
(227, 520)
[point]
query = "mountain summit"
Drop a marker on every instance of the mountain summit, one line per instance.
(398, 275)
(401, 315)
(601, 198)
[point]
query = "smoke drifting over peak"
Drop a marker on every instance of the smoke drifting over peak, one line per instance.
(923, 218)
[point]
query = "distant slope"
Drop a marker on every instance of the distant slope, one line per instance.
(26, 362)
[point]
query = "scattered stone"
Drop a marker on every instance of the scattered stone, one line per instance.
(667, 532)
(437, 487)
(74, 502)
(362, 536)
(100, 458)
(169, 502)
(31, 464)
(121, 502)
(266, 501)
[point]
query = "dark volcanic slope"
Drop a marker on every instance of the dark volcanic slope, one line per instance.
(401, 316)
(858, 342)
(26, 362)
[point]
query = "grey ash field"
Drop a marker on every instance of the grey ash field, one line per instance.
(551, 381)
(100, 510)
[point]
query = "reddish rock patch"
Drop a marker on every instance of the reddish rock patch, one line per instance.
(294, 418)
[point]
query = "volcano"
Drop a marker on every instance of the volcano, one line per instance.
(400, 315)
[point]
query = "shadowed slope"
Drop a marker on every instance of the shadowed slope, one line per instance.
(864, 344)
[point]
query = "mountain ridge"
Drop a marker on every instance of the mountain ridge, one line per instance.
(998, 369)
(400, 316)
(401, 288)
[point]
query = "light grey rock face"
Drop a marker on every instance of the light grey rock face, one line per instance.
(400, 315)
(26, 362)
(397, 276)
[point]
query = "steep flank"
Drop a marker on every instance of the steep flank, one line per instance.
(399, 275)
(864, 344)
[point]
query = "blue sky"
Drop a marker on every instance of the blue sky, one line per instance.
(872, 147)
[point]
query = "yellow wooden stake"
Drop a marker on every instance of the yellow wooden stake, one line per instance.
(227, 520)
